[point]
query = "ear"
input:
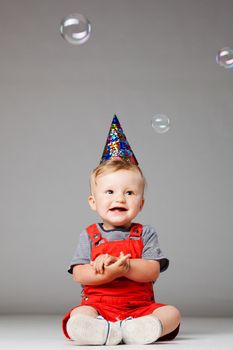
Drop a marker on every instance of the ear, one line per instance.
(91, 201)
(142, 204)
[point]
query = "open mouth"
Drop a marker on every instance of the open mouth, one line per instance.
(118, 209)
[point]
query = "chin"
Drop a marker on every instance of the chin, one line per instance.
(122, 224)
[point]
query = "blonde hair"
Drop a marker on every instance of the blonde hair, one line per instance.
(116, 164)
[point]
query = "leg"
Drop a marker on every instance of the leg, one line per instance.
(141, 330)
(169, 316)
(148, 329)
(84, 310)
(86, 328)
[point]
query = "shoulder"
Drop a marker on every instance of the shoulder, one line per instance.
(84, 236)
(148, 230)
(149, 235)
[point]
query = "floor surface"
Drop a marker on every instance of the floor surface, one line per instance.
(44, 332)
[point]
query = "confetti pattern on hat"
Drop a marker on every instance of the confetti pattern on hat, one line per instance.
(117, 145)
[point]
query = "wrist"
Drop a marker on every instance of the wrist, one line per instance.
(112, 273)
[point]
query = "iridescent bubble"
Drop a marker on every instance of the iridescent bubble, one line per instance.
(161, 123)
(225, 57)
(75, 29)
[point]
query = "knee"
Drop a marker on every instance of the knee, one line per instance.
(170, 313)
(74, 311)
(84, 310)
(174, 313)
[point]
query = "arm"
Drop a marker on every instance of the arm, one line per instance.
(141, 270)
(138, 270)
(85, 274)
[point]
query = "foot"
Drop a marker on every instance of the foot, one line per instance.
(86, 330)
(141, 330)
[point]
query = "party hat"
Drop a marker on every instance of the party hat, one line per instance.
(117, 145)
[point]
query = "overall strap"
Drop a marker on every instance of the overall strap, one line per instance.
(136, 230)
(94, 233)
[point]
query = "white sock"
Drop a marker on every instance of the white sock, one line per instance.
(141, 330)
(86, 330)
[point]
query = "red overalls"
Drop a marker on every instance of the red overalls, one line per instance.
(122, 297)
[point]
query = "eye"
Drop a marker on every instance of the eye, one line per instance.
(129, 193)
(109, 192)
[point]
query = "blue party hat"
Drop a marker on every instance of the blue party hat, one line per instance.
(117, 145)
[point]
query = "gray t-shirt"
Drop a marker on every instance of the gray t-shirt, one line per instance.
(151, 249)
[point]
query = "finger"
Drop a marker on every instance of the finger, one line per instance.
(121, 260)
(108, 261)
(101, 268)
(124, 258)
(94, 266)
(99, 265)
(102, 263)
(122, 255)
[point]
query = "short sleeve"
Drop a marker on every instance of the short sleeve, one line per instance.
(82, 253)
(151, 250)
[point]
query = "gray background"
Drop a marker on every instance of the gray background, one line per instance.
(56, 105)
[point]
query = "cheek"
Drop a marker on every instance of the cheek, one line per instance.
(140, 204)
(103, 203)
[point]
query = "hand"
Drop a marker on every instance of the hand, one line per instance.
(102, 261)
(124, 261)
(121, 266)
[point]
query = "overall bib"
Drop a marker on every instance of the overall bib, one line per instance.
(122, 297)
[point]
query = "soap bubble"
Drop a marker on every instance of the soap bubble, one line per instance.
(161, 123)
(225, 57)
(75, 29)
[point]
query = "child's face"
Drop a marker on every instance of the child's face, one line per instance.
(117, 197)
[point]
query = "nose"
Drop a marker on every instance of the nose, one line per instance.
(120, 198)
